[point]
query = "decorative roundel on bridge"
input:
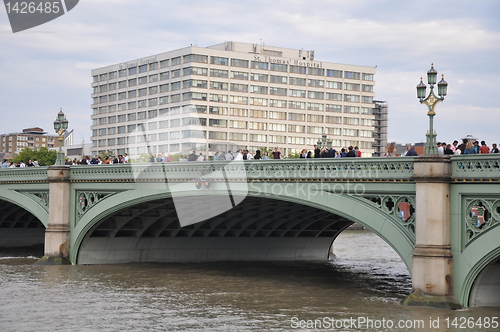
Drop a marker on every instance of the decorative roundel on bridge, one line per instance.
(207, 183)
(198, 183)
(82, 202)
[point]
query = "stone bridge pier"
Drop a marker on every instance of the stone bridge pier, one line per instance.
(57, 233)
(432, 264)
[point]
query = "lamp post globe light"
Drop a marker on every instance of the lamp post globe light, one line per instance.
(60, 126)
(324, 142)
(431, 101)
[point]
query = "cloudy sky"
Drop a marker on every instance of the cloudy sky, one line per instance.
(48, 67)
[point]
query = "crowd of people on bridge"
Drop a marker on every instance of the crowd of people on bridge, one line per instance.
(97, 160)
(468, 146)
(244, 154)
(30, 163)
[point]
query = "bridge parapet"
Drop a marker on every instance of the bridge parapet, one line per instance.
(348, 169)
(310, 169)
(476, 167)
(23, 175)
(464, 168)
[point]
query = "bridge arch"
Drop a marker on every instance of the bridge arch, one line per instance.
(481, 286)
(348, 208)
(27, 202)
(358, 210)
(22, 220)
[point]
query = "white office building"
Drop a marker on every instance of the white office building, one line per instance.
(232, 96)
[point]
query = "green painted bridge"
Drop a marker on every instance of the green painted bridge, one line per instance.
(440, 214)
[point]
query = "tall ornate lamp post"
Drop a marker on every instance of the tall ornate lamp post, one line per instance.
(324, 142)
(431, 100)
(60, 126)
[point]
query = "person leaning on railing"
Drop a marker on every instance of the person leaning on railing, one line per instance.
(411, 152)
(390, 151)
(469, 148)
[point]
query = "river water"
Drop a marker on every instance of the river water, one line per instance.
(360, 290)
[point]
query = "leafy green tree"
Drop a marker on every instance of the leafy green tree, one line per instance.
(293, 154)
(145, 158)
(176, 156)
(44, 156)
(103, 156)
(25, 155)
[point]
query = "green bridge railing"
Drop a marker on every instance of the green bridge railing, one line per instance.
(464, 168)
(480, 167)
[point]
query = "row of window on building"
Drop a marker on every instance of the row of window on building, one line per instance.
(223, 123)
(224, 98)
(25, 138)
(21, 145)
(240, 112)
(240, 100)
(217, 110)
(241, 63)
(233, 86)
(148, 139)
(251, 125)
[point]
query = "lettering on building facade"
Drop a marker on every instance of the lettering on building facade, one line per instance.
(303, 63)
(137, 62)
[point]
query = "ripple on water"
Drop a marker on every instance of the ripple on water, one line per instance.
(209, 296)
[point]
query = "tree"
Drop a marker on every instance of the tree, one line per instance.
(44, 156)
(176, 157)
(293, 155)
(146, 158)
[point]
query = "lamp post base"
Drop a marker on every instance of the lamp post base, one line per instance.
(430, 144)
(60, 158)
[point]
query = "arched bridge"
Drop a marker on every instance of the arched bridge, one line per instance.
(440, 215)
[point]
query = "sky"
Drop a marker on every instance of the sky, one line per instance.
(48, 67)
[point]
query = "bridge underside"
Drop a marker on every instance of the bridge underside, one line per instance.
(19, 227)
(486, 289)
(256, 229)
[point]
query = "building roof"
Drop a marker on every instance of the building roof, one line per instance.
(34, 130)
